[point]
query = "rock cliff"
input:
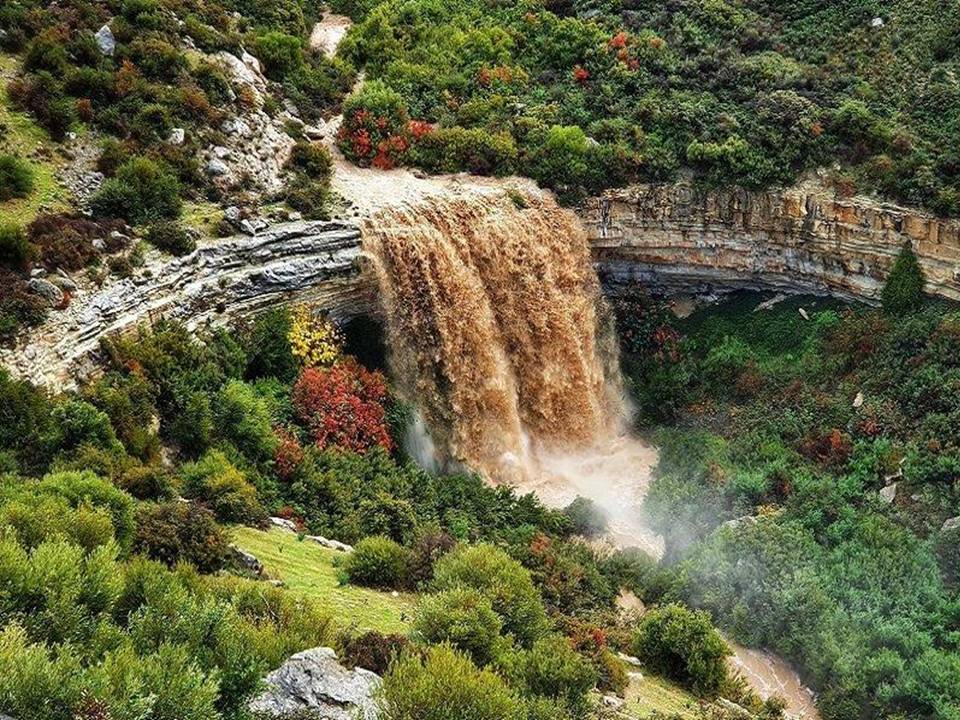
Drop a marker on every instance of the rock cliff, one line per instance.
(677, 238)
(220, 280)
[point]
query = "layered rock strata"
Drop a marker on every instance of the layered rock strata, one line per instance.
(675, 238)
(220, 280)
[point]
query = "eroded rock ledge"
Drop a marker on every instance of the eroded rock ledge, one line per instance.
(679, 239)
(221, 280)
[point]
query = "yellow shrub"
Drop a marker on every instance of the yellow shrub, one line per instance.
(314, 340)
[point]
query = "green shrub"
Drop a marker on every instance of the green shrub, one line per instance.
(445, 685)
(683, 645)
(462, 617)
(243, 418)
(311, 197)
(147, 482)
(280, 54)
(376, 561)
(177, 531)
(16, 178)
(142, 190)
(313, 159)
(85, 488)
(218, 484)
(457, 149)
(266, 343)
(502, 580)
(374, 129)
(171, 237)
(903, 290)
(15, 250)
(586, 517)
(552, 668)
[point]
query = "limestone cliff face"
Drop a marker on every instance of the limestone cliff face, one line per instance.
(219, 281)
(676, 238)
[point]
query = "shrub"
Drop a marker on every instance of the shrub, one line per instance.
(552, 668)
(142, 190)
(177, 531)
(456, 149)
(147, 482)
(343, 406)
(243, 418)
(216, 482)
(314, 340)
(311, 197)
(683, 645)
(85, 488)
(445, 685)
(502, 580)
(586, 517)
(281, 54)
(15, 250)
(16, 178)
(372, 651)
(171, 237)
(266, 343)
(376, 561)
(312, 159)
(66, 241)
(903, 290)
(462, 617)
(374, 129)
(424, 553)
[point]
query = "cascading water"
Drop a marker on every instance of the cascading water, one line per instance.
(499, 336)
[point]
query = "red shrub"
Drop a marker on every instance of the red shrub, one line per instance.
(343, 406)
(289, 453)
(581, 74)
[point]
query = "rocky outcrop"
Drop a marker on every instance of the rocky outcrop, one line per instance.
(679, 238)
(220, 280)
(314, 680)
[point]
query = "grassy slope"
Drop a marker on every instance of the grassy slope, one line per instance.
(653, 694)
(308, 568)
(22, 137)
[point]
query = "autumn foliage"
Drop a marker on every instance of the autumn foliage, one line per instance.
(343, 406)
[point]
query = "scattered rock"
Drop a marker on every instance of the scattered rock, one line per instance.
(118, 238)
(950, 524)
(177, 136)
(858, 401)
(803, 314)
(314, 680)
(247, 227)
(222, 152)
(99, 244)
(247, 560)
(877, 22)
(217, 168)
(37, 272)
(105, 41)
(284, 523)
(734, 709)
(294, 216)
(889, 493)
(612, 701)
(232, 214)
(332, 544)
(290, 108)
(767, 304)
(45, 289)
(743, 520)
(63, 281)
(630, 659)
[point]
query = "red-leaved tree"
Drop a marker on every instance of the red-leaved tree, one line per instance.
(343, 406)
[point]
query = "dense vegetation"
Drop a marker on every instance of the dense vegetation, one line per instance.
(149, 107)
(582, 94)
(777, 433)
(121, 597)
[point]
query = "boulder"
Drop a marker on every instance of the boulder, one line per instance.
(216, 167)
(45, 289)
(284, 523)
(247, 560)
(177, 136)
(105, 41)
(331, 544)
(889, 493)
(314, 680)
(950, 524)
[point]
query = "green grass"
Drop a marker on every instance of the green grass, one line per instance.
(653, 694)
(308, 569)
(22, 137)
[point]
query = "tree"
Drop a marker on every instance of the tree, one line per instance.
(903, 291)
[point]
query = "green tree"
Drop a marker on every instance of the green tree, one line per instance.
(903, 291)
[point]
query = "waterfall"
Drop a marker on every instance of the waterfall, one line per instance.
(500, 337)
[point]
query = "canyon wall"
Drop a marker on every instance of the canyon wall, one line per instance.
(675, 238)
(221, 280)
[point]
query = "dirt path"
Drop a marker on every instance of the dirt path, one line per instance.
(328, 33)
